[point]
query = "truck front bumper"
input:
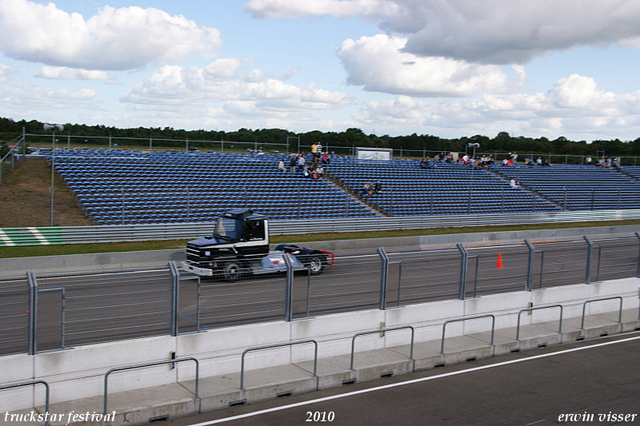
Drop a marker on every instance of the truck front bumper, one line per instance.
(196, 270)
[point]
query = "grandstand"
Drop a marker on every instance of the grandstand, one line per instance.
(577, 187)
(409, 189)
(145, 187)
(129, 187)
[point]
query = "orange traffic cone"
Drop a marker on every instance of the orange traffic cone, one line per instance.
(499, 264)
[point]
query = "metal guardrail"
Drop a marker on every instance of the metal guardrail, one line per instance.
(34, 382)
(493, 327)
(535, 309)
(584, 307)
(278, 345)
(169, 231)
(384, 330)
(149, 364)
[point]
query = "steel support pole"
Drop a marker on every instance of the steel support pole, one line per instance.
(384, 277)
(638, 270)
(33, 313)
(175, 295)
(532, 257)
(589, 259)
(464, 262)
(288, 303)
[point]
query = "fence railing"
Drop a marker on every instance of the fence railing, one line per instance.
(47, 312)
(120, 233)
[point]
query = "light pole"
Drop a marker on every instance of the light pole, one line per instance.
(54, 128)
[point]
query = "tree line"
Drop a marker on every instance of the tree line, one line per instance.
(352, 137)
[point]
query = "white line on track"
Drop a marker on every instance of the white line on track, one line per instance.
(410, 382)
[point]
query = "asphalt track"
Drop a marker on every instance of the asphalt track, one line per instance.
(594, 382)
(104, 307)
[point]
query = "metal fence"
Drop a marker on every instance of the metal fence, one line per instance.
(51, 312)
(117, 233)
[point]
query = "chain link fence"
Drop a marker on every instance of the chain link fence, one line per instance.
(52, 312)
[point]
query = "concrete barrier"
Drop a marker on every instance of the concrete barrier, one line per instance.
(77, 374)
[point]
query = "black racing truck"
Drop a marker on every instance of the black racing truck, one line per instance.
(240, 246)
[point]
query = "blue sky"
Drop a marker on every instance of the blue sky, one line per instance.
(451, 69)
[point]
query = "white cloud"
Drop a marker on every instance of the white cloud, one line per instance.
(291, 73)
(195, 87)
(379, 64)
(573, 106)
(114, 39)
(23, 97)
(403, 110)
(338, 8)
(64, 73)
(485, 31)
(5, 70)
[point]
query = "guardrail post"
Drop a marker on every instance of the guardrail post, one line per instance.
(584, 308)
(463, 270)
(34, 382)
(149, 364)
(530, 310)
(384, 276)
(493, 327)
(33, 313)
(288, 315)
(382, 331)
(638, 271)
(587, 279)
(175, 294)
(532, 258)
(279, 345)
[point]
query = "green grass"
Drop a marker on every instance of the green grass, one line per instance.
(57, 250)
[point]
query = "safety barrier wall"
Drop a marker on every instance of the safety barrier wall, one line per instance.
(56, 311)
(115, 233)
(79, 372)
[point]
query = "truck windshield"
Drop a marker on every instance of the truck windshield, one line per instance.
(226, 229)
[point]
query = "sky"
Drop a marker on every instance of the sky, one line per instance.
(449, 68)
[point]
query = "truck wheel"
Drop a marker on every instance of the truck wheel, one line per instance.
(315, 263)
(231, 272)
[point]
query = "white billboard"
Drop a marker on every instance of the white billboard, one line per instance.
(374, 153)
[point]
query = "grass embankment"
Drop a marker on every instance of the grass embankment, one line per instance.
(24, 201)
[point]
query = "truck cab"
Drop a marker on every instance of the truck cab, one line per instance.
(239, 234)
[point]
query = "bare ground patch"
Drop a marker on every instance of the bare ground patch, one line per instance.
(25, 198)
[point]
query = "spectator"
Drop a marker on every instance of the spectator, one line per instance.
(281, 165)
(377, 188)
(539, 161)
(293, 163)
(546, 162)
(301, 162)
(325, 158)
(424, 163)
(366, 189)
(515, 183)
(588, 161)
(319, 171)
(616, 164)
